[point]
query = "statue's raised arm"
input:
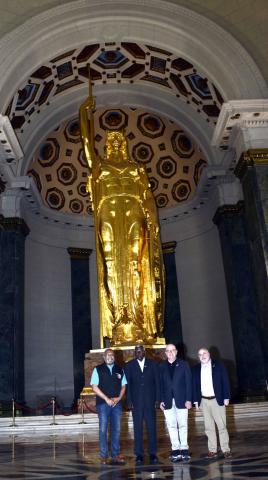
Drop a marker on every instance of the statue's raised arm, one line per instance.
(86, 119)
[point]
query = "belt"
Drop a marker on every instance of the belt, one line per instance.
(208, 398)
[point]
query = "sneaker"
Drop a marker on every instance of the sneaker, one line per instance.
(227, 454)
(104, 461)
(118, 460)
(175, 456)
(185, 455)
(211, 455)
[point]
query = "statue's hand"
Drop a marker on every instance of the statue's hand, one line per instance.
(89, 103)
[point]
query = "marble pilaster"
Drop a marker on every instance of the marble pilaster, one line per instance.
(231, 223)
(81, 313)
(172, 318)
(252, 169)
(12, 242)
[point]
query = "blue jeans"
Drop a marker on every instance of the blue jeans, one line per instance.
(110, 415)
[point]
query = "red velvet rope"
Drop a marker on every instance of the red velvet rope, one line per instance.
(31, 409)
(88, 407)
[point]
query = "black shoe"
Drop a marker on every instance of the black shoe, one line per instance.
(185, 455)
(154, 460)
(139, 460)
(175, 456)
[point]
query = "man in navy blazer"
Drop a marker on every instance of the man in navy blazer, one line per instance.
(143, 392)
(211, 391)
(176, 396)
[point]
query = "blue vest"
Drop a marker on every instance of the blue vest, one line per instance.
(109, 383)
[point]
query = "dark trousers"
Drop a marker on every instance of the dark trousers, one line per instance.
(148, 415)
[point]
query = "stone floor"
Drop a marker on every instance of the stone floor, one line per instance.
(72, 456)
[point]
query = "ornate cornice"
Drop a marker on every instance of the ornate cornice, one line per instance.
(169, 247)
(228, 211)
(250, 158)
(79, 253)
(14, 224)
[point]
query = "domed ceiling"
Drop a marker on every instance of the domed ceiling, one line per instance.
(113, 63)
(171, 158)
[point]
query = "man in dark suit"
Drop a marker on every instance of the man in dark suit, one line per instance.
(211, 391)
(143, 392)
(176, 396)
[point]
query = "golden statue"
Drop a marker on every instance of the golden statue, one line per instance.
(129, 254)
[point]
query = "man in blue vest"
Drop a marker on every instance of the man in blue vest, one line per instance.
(176, 397)
(109, 383)
(211, 390)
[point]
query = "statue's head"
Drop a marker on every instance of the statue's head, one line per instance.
(116, 144)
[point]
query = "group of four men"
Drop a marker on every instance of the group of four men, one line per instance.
(169, 385)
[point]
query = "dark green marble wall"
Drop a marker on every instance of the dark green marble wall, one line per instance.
(242, 300)
(12, 241)
(81, 315)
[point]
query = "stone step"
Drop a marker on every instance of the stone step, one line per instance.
(238, 415)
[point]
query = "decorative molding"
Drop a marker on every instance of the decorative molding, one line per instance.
(228, 211)
(239, 114)
(10, 150)
(79, 253)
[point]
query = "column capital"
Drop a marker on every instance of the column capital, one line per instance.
(228, 211)
(242, 125)
(14, 224)
(79, 253)
(169, 247)
(12, 197)
(250, 158)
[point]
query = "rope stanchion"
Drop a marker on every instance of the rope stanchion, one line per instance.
(59, 410)
(13, 424)
(82, 410)
(89, 408)
(53, 401)
(31, 409)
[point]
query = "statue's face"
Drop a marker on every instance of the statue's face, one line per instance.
(115, 140)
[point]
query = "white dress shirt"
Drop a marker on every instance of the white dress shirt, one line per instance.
(207, 389)
(141, 363)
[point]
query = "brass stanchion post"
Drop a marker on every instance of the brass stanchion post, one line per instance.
(13, 424)
(82, 409)
(53, 401)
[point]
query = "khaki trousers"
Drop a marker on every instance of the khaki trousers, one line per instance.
(215, 413)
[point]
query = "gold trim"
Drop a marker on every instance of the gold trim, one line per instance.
(250, 158)
(14, 224)
(169, 247)
(229, 211)
(79, 253)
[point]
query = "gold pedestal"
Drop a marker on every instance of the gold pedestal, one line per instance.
(122, 355)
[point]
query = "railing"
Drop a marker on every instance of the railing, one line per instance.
(55, 410)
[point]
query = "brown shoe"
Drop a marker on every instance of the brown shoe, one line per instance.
(104, 461)
(227, 454)
(118, 460)
(211, 455)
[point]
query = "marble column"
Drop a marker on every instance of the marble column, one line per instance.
(252, 169)
(12, 242)
(172, 318)
(231, 222)
(81, 314)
